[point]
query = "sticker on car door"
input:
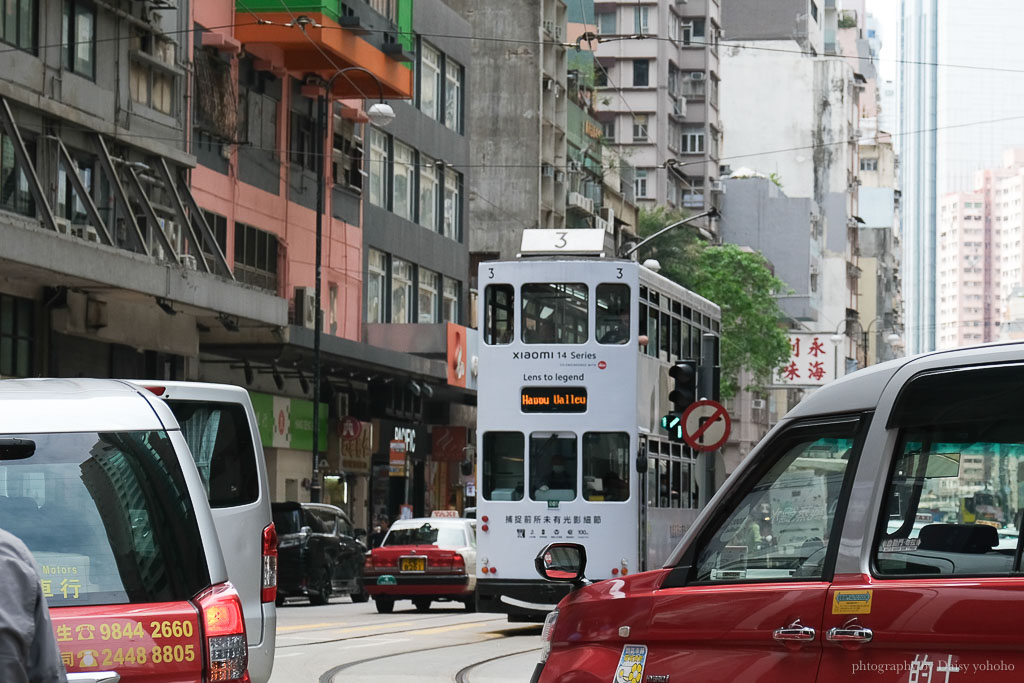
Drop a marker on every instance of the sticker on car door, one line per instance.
(631, 664)
(851, 602)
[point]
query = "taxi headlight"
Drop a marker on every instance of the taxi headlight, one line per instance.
(546, 633)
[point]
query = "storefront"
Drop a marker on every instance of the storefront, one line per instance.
(400, 458)
(286, 432)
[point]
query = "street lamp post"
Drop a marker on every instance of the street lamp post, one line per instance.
(865, 332)
(380, 114)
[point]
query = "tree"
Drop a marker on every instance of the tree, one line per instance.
(739, 281)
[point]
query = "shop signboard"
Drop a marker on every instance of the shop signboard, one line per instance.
(288, 422)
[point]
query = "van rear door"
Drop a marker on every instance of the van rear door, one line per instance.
(219, 425)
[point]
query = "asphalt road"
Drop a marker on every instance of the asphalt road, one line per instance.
(342, 641)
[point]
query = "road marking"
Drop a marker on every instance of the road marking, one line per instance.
(375, 641)
(445, 629)
(303, 627)
(290, 654)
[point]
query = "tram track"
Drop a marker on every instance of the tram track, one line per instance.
(461, 676)
(422, 623)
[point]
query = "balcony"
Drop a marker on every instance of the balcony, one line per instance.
(329, 39)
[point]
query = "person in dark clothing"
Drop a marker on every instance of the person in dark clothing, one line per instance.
(28, 649)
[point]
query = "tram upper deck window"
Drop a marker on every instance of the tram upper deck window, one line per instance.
(555, 313)
(606, 466)
(503, 458)
(613, 323)
(499, 307)
(553, 466)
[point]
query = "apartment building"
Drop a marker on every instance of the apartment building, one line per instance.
(657, 74)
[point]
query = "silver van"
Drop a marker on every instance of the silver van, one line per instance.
(219, 425)
(97, 480)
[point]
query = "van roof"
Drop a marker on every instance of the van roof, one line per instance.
(29, 406)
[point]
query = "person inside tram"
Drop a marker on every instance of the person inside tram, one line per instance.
(614, 487)
(559, 477)
(618, 330)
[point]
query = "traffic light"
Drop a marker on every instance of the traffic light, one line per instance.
(684, 389)
(673, 424)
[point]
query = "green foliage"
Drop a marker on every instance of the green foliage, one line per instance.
(774, 177)
(737, 280)
(847, 20)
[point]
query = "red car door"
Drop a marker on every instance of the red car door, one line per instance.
(932, 590)
(745, 600)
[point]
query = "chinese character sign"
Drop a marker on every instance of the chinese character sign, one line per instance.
(812, 361)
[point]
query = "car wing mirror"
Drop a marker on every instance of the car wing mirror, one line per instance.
(562, 563)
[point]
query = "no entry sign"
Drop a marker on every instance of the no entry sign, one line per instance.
(706, 426)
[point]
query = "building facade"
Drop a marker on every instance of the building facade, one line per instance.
(159, 220)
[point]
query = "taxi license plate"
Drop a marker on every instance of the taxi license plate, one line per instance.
(413, 564)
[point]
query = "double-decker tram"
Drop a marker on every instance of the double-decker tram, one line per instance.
(572, 385)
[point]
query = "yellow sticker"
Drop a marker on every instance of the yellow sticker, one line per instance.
(851, 602)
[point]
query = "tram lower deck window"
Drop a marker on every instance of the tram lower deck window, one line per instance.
(553, 467)
(503, 465)
(606, 466)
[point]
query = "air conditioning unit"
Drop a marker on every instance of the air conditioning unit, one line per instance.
(305, 307)
(697, 75)
(85, 232)
(549, 27)
(63, 225)
(757, 404)
(547, 170)
(189, 262)
(679, 105)
(558, 33)
(717, 186)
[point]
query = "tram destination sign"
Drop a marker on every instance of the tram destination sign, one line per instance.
(554, 399)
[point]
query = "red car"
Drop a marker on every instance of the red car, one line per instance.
(423, 560)
(844, 548)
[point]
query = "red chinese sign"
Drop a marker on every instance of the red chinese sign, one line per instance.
(812, 360)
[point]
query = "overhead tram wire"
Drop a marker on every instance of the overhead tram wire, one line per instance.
(491, 39)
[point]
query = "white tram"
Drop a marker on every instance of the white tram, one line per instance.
(569, 443)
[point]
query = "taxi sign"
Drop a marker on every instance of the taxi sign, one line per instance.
(706, 426)
(445, 513)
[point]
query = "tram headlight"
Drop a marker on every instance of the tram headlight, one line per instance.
(546, 635)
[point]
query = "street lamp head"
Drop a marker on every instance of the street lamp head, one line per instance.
(893, 338)
(837, 338)
(381, 114)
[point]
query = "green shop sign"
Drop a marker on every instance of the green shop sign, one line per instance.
(288, 422)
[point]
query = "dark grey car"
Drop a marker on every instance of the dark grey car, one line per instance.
(319, 553)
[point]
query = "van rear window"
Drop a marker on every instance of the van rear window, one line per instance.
(107, 517)
(221, 443)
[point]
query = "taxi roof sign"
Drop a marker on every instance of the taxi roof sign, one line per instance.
(571, 241)
(445, 513)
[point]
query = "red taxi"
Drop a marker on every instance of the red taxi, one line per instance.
(423, 560)
(845, 545)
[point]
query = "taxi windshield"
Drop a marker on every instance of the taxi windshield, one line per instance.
(427, 534)
(107, 517)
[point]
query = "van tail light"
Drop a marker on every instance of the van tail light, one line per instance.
(227, 653)
(159, 391)
(269, 593)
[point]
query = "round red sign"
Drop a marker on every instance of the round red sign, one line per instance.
(601, 365)
(351, 428)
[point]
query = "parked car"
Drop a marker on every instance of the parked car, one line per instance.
(423, 560)
(97, 479)
(319, 553)
(219, 425)
(841, 545)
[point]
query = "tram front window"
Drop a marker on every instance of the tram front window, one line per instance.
(555, 313)
(503, 465)
(613, 314)
(606, 466)
(553, 466)
(499, 306)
